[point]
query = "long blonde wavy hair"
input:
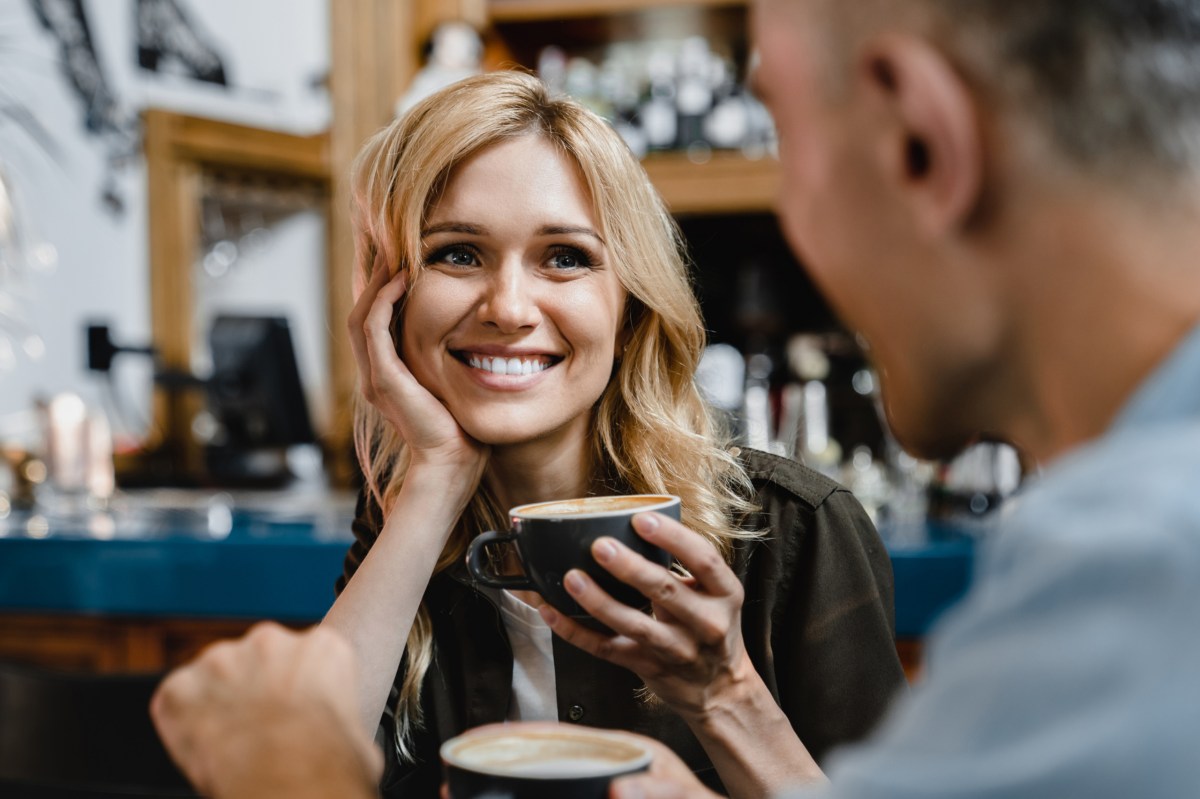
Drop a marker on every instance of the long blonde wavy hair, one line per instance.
(651, 431)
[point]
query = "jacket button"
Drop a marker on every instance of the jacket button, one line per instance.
(575, 712)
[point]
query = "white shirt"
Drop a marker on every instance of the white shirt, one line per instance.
(534, 694)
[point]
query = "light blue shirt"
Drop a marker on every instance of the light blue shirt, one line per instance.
(1072, 666)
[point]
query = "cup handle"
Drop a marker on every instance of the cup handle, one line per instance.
(477, 563)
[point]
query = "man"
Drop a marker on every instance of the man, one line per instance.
(1003, 197)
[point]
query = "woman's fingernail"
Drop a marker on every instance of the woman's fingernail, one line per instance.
(647, 522)
(603, 550)
(574, 581)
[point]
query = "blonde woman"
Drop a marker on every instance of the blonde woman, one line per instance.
(525, 330)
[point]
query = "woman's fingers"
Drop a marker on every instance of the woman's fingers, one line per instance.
(677, 602)
(363, 301)
(694, 552)
(620, 650)
(356, 321)
(380, 344)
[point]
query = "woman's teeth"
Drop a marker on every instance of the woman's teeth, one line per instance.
(508, 366)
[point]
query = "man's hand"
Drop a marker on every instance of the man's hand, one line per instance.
(273, 714)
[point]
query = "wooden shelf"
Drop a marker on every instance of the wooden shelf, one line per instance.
(728, 183)
(535, 10)
(208, 141)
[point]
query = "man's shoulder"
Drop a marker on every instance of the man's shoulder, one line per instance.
(1115, 523)
(1144, 479)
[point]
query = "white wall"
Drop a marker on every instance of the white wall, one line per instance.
(274, 50)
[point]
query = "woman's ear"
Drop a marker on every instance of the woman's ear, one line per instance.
(931, 147)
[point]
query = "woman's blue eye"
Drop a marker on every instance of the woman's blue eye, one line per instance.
(570, 259)
(453, 256)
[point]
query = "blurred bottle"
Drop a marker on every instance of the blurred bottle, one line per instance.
(727, 124)
(721, 378)
(657, 111)
(974, 484)
(756, 403)
(583, 84)
(867, 479)
(552, 69)
(619, 91)
(760, 138)
(815, 445)
(79, 453)
(455, 50)
(694, 92)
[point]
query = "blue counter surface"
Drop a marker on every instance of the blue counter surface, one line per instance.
(276, 556)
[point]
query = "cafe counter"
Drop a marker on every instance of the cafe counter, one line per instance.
(146, 582)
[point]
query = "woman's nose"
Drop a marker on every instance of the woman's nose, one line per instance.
(511, 302)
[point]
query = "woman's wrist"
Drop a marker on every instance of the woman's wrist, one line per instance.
(739, 694)
(750, 739)
(437, 492)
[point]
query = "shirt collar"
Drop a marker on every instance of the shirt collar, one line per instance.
(1172, 390)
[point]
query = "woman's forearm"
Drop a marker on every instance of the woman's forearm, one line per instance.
(376, 609)
(751, 742)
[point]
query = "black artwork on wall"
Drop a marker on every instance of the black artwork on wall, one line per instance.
(103, 116)
(166, 35)
(67, 21)
(167, 41)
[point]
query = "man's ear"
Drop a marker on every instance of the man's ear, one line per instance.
(933, 150)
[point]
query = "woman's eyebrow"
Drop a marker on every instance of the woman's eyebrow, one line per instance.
(469, 229)
(454, 227)
(569, 230)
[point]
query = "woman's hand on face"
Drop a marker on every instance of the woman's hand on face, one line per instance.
(430, 430)
(690, 652)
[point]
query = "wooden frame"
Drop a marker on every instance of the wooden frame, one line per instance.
(368, 72)
(524, 10)
(370, 68)
(179, 150)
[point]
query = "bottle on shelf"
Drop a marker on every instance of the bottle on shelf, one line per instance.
(814, 444)
(658, 112)
(693, 93)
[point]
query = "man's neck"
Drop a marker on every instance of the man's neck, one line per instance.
(1106, 289)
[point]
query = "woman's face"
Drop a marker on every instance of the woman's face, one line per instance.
(514, 323)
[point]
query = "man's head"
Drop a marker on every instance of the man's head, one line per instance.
(929, 149)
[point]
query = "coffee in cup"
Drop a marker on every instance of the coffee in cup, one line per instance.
(551, 538)
(540, 760)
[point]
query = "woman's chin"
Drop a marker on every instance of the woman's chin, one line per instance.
(511, 432)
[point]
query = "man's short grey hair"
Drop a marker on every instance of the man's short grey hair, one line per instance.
(1114, 81)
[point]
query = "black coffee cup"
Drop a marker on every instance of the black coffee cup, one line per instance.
(540, 760)
(554, 537)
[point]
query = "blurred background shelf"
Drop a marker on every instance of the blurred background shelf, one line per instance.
(145, 588)
(726, 183)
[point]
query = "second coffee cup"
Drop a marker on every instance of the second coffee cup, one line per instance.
(551, 538)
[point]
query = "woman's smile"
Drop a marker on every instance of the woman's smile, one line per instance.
(499, 372)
